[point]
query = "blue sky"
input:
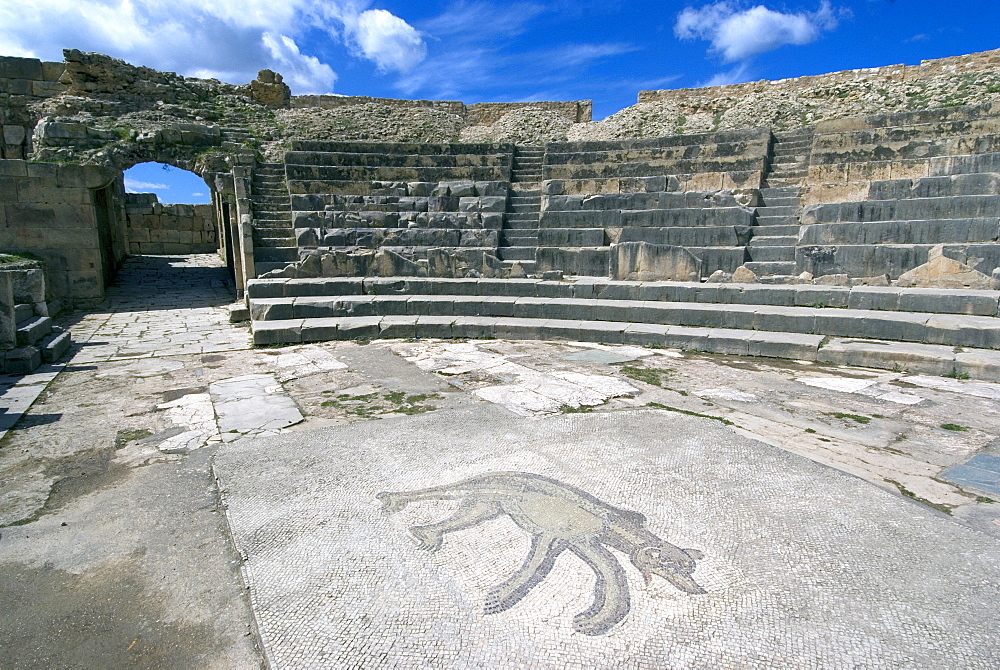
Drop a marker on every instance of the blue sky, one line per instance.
(475, 51)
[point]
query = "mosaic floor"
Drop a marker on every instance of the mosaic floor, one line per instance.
(477, 537)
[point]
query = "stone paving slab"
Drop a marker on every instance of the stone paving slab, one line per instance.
(477, 538)
(982, 472)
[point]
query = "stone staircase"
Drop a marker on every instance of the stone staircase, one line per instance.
(776, 230)
(273, 236)
(38, 341)
(237, 142)
(945, 332)
(519, 237)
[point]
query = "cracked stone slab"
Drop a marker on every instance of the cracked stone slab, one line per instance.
(252, 404)
(533, 392)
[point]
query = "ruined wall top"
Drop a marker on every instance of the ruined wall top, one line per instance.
(977, 62)
(97, 109)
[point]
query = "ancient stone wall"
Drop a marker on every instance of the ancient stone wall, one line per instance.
(70, 217)
(796, 103)
(157, 228)
(488, 113)
(23, 81)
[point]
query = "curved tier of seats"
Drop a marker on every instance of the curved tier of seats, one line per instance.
(918, 330)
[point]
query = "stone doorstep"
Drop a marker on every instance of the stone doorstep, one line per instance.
(909, 357)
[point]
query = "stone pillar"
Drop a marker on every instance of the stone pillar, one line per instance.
(243, 238)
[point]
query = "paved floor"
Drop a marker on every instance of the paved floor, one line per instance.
(833, 516)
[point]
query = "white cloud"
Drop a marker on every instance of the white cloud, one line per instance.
(386, 39)
(139, 186)
(740, 34)
(225, 39)
(304, 74)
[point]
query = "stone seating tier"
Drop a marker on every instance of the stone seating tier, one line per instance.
(758, 320)
(354, 159)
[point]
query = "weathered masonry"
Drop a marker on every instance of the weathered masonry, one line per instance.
(857, 237)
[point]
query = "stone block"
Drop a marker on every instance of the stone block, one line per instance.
(944, 301)
(398, 326)
(653, 262)
(55, 346)
(12, 67)
(963, 331)
(434, 326)
(473, 327)
(942, 272)
(277, 332)
(14, 135)
(876, 298)
(22, 361)
(321, 330)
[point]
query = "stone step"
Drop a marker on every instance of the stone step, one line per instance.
(776, 201)
(522, 192)
(21, 360)
(791, 230)
(779, 182)
(771, 253)
(274, 240)
(953, 330)
(517, 253)
(262, 267)
(787, 173)
(520, 238)
(276, 254)
(778, 210)
(909, 357)
(55, 345)
(575, 237)
(881, 298)
(23, 312)
(764, 268)
(33, 329)
(525, 208)
(935, 231)
(916, 209)
(772, 241)
(781, 192)
(777, 220)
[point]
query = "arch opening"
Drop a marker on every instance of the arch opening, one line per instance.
(170, 184)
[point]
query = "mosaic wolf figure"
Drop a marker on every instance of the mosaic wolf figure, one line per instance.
(559, 517)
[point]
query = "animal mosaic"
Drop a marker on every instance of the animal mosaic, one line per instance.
(559, 517)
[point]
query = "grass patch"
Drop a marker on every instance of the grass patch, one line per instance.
(810, 430)
(955, 427)
(645, 375)
(913, 496)
(570, 409)
(955, 374)
(123, 437)
(690, 413)
(853, 417)
(371, 404)
(984, 499)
